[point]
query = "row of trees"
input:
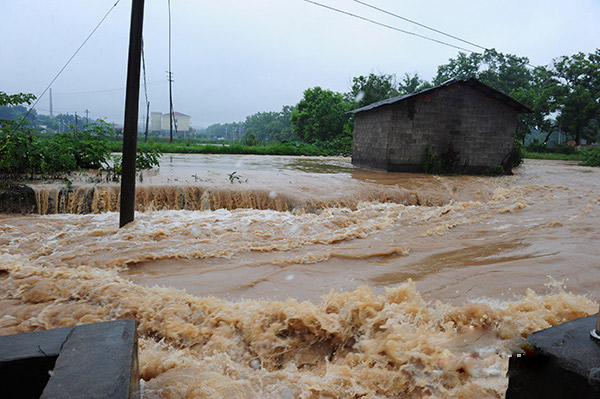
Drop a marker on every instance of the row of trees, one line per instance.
(23, 151)
(564, 95)
(57, 123)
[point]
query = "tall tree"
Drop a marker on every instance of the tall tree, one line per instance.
(270, 126)
(411, 83)
(504, 72)
(511, 75)
(370, 89)
(576, 96)
(321, 116)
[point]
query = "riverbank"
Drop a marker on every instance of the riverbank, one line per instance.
(278, 148)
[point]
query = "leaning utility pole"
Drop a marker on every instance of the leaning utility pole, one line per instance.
(130, 128)
(171, 112)
(51, 113)
(147, 120)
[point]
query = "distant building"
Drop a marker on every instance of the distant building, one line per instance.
(181, 122)
(466, 117)
(161, 123)
(156, 121)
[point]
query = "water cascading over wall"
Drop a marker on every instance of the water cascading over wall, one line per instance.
(106, 198)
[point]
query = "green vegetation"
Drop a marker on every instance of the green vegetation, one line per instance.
(565, 97)
(23, 151)
(557, 157)
(147, 157)
(591, 157)
(278, 148)
(497, 170)
(321, 117)
(445, 163)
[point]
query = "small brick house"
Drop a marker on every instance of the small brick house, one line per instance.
(466, 118)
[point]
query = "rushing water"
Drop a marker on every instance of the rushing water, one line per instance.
(414, 285)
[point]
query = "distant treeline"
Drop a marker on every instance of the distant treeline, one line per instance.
(565, 97)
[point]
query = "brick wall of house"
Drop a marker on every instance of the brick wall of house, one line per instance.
(370, 149)
(479, 128)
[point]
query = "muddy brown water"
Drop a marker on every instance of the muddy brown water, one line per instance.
(301, 277)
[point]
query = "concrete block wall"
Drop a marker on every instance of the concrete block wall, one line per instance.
(371, 149)
(481, 129)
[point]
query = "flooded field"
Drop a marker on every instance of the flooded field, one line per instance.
(293, 277)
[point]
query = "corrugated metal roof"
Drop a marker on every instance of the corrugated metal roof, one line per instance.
(470, 82)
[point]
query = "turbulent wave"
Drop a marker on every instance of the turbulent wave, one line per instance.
(350, 345)
(385, 340)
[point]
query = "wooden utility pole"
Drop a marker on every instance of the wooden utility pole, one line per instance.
(130, 127)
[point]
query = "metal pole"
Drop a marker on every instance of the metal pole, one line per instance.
(130, 127)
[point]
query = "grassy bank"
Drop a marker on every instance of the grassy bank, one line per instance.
(557, 157)
(290, 148)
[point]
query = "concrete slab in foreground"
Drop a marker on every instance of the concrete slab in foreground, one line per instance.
(97, 360)
(561, 362)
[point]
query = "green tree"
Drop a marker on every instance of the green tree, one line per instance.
(411, 83)
(461, 67)
(504, 72)
(511, 75)
(370, 89)
(537, 96)
(270, 126)
(17, 146)
(321, 116)
(576, 96)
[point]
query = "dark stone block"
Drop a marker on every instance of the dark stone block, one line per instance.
(107, 357)
(17, 198)
(561, 362)
(33, 344)
(90, 361)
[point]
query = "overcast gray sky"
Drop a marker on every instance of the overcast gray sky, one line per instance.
(233, 58)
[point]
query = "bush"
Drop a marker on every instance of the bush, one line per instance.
(494, 171)
(542, 148)
(592, 157)
(515, 158)
(448, 162)
(25, 152)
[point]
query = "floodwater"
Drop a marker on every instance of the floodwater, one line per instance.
(295, 277)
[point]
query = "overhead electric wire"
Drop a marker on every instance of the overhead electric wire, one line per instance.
(65, 66)
(418, 24)
(388, 26)
(78, 93)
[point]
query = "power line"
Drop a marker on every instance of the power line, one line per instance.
(77, 93)
(64, 67)
(419, 24)
(388, 26)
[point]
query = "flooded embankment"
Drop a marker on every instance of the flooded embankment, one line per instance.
(415, 286)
